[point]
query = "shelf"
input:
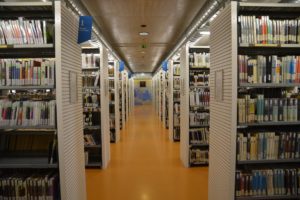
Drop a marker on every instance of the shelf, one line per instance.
(268, 197)
(202, 107)
(92, 146)
(92, 127)
(199, 87)
(270, 45)
(22, 4)
(199, 164)
(29, 128)
(90, 68)
(268, 85)
(279, 123)
(26, 46)
(263, 162)
(26, 162)
(199, 68)
(198, 145)
(91, 87)
(27, 87)
(199, 126)
(95, 164)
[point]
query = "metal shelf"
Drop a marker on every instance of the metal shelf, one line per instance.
(263, 162)
(92, 127)
(92, 146)
(91, 87)
(29, 128)
(268, 197)
(270, 45)
(268, 85)
(38, 87)
(199, 87)
(199, 126)
(26, 46)
(26, 162)
(94, 165)
(280, 123)
(199, 145)
(90, 68)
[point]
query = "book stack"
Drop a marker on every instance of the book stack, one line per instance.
(90, 60)
(269, 69)
(199, 78)
(35, 185)
(23, 31)
(261, 109)
(199, 60)
(176, 70)
(176, 83)
(24, 72)
(91, 100)
(111, 84)
(90, 140)
(91, 79)
(111, 71)
(263, 30)
(199, 119)
(199, 97)
(268, 146)
(27, 113)
(268, 182)
(198, 156)
(199, 136)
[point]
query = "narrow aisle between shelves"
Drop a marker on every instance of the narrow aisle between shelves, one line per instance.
(145, 165)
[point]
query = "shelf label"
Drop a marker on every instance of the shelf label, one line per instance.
(122, 66)
(165, 66)
(84, 29)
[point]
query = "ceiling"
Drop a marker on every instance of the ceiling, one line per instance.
(120, 22)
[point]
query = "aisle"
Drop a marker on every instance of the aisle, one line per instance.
(145, 165)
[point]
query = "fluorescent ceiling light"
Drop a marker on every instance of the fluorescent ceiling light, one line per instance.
(143, 33)
(204, 32)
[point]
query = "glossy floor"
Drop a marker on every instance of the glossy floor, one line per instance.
(145, 165)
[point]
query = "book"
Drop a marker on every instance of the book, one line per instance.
(269, 69)
(199, 136)
(268, 146)
(263, 30)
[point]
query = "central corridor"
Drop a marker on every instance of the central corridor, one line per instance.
(145, 165)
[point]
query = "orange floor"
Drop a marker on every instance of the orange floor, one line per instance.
(145, 165)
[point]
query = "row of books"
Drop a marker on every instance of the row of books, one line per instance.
(199, 136)
(22, 31)
(198, 156)
(260, 109)
(268, 146)
(199, 97)
(176, 133)
(176, 120)
(176, 70)
(199, 79)
(176, 83)
(269, 69)
(268, 182)
(90, 60)
(27, 113)
(91, 100)
(90, 140)
(199, 60)
(21, 72)
(35, 185)
(91, 119)
(198, 119)
(112, 122)
(111, 83)
(111, 71)
(263, 30)
(91, 79)
(111, 96)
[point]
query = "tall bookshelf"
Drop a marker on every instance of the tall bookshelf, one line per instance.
(254, 102)
(41, 144)
(194, 105)
(114, 111)
(120, 88)
(131, 92)
(166, 99)
(174, 101)
(124, 97)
